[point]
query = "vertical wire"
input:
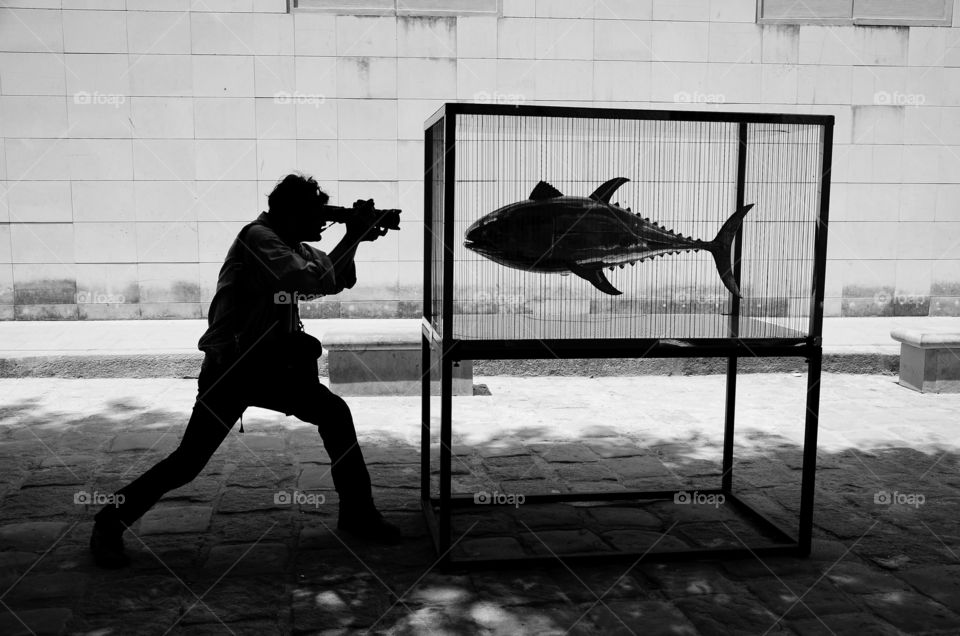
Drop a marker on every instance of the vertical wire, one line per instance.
(805, 248)
(816, 189)
(702, 146)
(641, 188)
(775, 185)
(788, 157)
(794, 194)
(725, 198)
(817, 151)
(781, 182)
(660, 171)
(483, 208)
(682, 168)
(803, 232)
(793, 266)
(801, 266)
(730, 200)
(791, 155)
(788, 151)
(755, 160)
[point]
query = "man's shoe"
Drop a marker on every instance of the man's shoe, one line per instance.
(367, 523)
(106, 545)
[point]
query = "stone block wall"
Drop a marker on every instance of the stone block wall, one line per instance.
(137, 136)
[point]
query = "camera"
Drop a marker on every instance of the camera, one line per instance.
(363, 214)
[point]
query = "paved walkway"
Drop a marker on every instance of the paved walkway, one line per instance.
(104, 337)
(225, 554)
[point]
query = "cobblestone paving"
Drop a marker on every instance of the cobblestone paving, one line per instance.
(228, 553)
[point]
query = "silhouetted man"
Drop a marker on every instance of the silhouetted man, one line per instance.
(257, 354)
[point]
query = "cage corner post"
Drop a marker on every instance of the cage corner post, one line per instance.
(815, 360)
(809, 468)
(426, 341)
(730, 408)
(446, 351)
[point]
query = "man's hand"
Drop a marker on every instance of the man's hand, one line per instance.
(360, 230)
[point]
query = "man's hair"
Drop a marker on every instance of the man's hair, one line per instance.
(294, 194)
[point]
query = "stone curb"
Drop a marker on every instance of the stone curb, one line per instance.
(187, 365)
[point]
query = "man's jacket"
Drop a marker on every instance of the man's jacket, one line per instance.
(261, 277)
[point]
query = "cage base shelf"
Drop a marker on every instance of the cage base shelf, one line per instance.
(784, 544)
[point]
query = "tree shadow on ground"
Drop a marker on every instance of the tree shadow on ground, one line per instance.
(222, 556)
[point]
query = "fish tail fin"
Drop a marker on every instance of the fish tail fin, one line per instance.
(722, 247)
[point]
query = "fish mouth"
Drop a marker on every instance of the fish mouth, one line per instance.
(480, 247)
(473, 242)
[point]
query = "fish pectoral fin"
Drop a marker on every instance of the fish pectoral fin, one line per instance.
(606, 189)
(544, 190)
(596, 278)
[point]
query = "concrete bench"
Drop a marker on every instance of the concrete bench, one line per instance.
(384, 361)
(929, 360)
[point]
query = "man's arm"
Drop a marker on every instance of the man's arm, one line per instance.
(342, 256)
(285, 269)
(340, 262)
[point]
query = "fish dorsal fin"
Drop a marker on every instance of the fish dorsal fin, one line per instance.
(544, 190)
(596, 278)
(607, 188)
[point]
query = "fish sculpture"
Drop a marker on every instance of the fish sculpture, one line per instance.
(553, 232)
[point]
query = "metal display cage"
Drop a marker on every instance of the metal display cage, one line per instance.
(687, 170)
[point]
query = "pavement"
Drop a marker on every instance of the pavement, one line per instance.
(167, 348)
(104, 337)
(226, 555)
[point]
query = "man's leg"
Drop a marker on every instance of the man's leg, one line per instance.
(310, 401)
(219, 404)
(334, 421)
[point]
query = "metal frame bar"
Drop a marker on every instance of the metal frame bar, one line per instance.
(452, 109)
(730, 407)
(815, 361)
(438, 510)
(783, 543)
(446, 362)
(620, 348)
(426, 349)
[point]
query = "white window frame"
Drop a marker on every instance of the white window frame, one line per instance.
(877, 18)
(402, 7)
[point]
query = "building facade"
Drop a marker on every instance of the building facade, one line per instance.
(138, 136)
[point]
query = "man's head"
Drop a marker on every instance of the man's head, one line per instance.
(293, 204)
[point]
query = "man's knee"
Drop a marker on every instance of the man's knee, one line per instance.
(187, 463)
(326, 409)
(338, 408)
